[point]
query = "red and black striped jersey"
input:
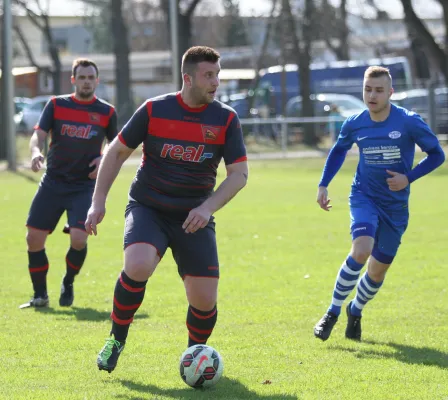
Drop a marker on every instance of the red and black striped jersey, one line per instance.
(77, 130)
(182, 148)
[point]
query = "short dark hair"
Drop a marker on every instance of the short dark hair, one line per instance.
(83, 62)
(376, 71)
(197, 54)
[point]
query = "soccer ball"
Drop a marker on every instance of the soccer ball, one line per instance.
(201, 366)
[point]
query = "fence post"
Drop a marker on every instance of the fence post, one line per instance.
(432, 112)
(284, 133)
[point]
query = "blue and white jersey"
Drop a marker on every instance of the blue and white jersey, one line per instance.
(387, 145)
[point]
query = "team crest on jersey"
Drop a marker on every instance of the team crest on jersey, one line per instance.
(185, 153)
(394, 134)
(210, 133)
(94, 117)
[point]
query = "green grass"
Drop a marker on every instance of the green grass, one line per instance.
(279, 255)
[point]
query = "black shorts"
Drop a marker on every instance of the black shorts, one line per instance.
(195, 254)
(53, 198)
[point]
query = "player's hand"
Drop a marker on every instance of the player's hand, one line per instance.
(197, 218)
(37, 161)
(397, 182)
(95, 215)
(95, 163)
(322, 198)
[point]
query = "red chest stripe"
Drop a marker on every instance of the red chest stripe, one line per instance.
(187, 131)
(82, 117)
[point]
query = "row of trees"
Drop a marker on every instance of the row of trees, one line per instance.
(294, 25)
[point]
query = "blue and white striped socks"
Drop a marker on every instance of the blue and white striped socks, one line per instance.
(365, 291)
(346, 281)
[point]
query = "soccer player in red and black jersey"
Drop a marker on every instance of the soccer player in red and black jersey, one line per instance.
(172, 199)
(77, 123)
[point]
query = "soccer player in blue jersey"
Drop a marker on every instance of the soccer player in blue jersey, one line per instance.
(78, 124)
(386, 136)
(172, 198)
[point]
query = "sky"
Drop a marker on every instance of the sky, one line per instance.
(423, 8)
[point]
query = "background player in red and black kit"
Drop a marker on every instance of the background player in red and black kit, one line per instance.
(78, 124)
(172, 199)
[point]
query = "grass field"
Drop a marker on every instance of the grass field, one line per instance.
(279, 254)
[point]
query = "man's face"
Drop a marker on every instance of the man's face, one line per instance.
(377, 92)
(85, 81)
(205, 82)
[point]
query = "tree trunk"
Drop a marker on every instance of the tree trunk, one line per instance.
(124, 101)
(344, 49)
(418, 28)
(264, 46)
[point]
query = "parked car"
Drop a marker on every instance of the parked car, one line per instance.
(20, 103)
(417, 100)
(326, 104)
(29, 116)
(346, 104)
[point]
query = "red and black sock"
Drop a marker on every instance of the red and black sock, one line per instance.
(38, 268)
(128, 297)
(200, 325)
(74, 261)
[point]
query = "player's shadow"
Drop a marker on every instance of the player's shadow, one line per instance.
(27, 176)
(403, 353)
(228, 389)
(84, 313)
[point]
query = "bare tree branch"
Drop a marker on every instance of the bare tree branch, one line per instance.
(191, 8)
(34, 18)
(26, 47)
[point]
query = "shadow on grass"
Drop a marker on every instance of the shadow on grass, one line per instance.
(229, 389)
(27, 175)
(403, 353)
(84, 314)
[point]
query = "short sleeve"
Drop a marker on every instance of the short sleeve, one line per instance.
(421, 133)
(46, 120)
(111, 130)
(136, 129)
(234, 148)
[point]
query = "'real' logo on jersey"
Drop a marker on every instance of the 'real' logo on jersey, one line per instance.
(185, 153)
(78, 131)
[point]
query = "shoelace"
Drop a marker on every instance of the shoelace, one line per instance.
(107, 352)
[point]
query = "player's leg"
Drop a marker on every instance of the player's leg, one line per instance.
(77, 205)
(196, 256)
(74, 261)
(364, 222)
(389, 233)
(45, 211)
(145, 242)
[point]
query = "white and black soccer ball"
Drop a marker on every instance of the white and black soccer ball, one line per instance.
(201, 366)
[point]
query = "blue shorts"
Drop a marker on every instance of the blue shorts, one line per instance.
(386, 226)
(53, 198)
(195, 254)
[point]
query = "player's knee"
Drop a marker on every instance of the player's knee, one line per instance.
(203, 301)
(78, 239)
(35, 239)
(78, 244)
(361, 254)
(139, 269)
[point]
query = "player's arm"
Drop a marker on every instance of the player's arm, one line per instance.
(429, 143)
(111, 134)
(333, 164)
(40, 134)
(133, 133)
(236, 179)
(237, 174)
